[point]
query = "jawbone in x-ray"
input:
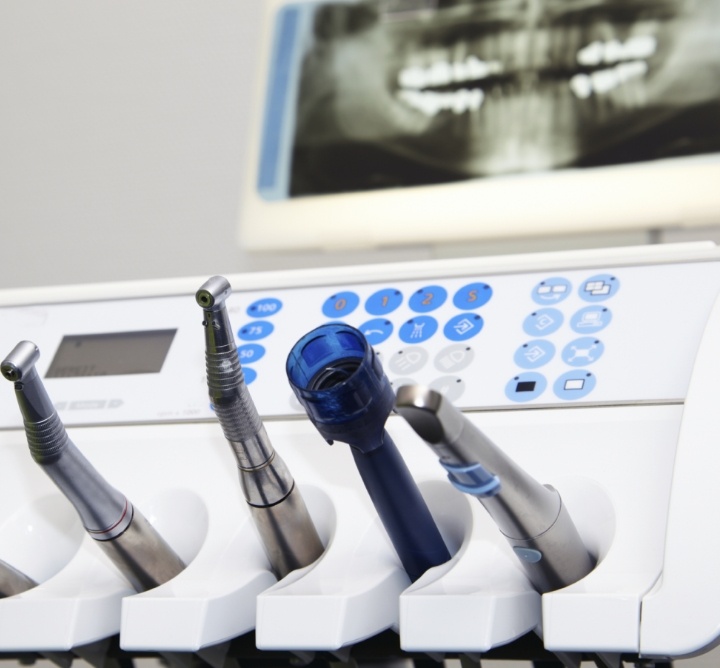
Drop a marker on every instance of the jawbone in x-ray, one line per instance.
(384, 94)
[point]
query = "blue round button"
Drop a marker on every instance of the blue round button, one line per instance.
(582, 351)
(255, 330)
(428, 299)
(599, 288)
(543, 322)
(376, 330)
(534, 354)
(340, 304)
(383, 301)
(263, 308)
(473, 295)
(525, 386)
(551, 290)
(249, 374)
(463, 327)
(574, 384)
(591, 319)
(250, 352)
(419, 329)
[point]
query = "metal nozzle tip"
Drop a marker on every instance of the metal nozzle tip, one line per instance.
(420, 406)
(213, 292)
(20, 361)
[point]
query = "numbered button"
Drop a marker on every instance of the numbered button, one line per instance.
(472, 296)
(263, 308)
(256, 330)
(249, 375)
(383, 301)
(340, 304)
(250, 352)
(428, 299)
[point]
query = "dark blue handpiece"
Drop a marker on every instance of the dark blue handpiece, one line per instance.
(338, 379)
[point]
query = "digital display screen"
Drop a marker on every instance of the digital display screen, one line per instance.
(111, 354)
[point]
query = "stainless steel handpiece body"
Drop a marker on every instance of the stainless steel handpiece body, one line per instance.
(13, 581)
(121, 531)
(276, 505)
(531, 516)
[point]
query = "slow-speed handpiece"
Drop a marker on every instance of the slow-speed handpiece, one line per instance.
(531, 516)
(13, 581)
(339, 380)
(123, 533)
(276, 505)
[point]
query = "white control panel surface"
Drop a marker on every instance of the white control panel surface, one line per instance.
(602, 335)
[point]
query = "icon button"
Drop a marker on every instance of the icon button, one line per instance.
(599, 288)
(525, 386)
(534, 354)
(574, 384)
(454, 358)
(463, 327)
(418, 329)
(580, 352)
(408, 360)
(591, 319)
(551, 291)
(376, 330)
(543, 322)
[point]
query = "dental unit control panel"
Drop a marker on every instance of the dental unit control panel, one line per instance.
(590, 377)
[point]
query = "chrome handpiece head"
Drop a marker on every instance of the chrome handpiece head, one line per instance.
(107, 515)
(531, 516)
(277, 507)
(339, 380)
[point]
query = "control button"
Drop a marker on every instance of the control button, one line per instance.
(428, 299)
(408, 361)
(582, 351)
(454, 358)
(451, 387)
(534, 354)
(599, 288)
(263, 308)
(340, 304)
(543, 322)
(377, 330)
(574, 384)
(418, 329)
(253, 331)
(249, 374)
(528, 555)
(472, 296)
(383, 301)
(250, 352)
(525, 386)
(591, 319)
(463, 327)
(551, 291)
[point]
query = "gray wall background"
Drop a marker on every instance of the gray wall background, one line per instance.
(122, 131)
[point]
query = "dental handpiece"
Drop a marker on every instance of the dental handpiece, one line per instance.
(531, 516)
(13, 581)
(120, 530)
(339, 380)
(276, 504)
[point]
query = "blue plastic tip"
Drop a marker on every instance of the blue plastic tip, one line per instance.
(338, 379)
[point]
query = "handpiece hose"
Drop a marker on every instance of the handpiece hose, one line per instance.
(338, 379)
(276, 505)
(122, 532)
(531, 516)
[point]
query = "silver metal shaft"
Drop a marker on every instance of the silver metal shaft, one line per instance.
(283, 521)
(13, 581)
(141, 554)
(531, 516)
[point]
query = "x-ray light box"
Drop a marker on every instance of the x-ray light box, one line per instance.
(397, 122)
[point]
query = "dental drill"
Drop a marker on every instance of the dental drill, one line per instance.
(339, 380)
(120, 530)
(13, 581)
(276, 505)
(531, 516)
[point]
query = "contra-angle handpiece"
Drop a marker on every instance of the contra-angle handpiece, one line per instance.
(13, 581)
(531, 516)
(339, 380)
(276, 505)
(123, 533)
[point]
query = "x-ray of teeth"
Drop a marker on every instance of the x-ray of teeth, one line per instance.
(415, 93)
